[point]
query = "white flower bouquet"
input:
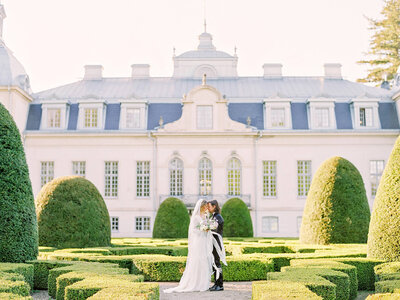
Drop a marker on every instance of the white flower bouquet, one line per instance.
(208, 223)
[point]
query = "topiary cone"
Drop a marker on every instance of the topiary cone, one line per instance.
(336, 209)
(237, 219)
(72, 214)
(384, 229)
(172, 220)
(18, 225)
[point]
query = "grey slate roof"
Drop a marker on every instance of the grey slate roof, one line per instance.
(299, 115)
(343, 116)
(240, 111)
(112, 116)
(170, 112)
(388, 116)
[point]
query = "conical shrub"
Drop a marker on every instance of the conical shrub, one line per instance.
(18, 225)
(172, 220)
(237, 219)
(336, 209)
(384, 229)
(72, 214)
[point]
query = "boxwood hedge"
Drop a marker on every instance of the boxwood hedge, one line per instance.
(237, 219)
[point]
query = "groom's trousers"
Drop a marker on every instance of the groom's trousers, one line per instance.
(219, 281)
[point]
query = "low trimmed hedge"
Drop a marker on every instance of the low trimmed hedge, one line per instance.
(10, 296)
(273, 290)
(386, 296)
(387, 286)
(16, 280)
(145, 291)
(25, 270)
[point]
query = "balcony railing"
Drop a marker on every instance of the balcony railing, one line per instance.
(191, 199)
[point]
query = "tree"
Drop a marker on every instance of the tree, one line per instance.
(18, 225)
(384, 229)
(384, 53)
(336, 209)
(72, 214)
(172, 220)
(237, 219)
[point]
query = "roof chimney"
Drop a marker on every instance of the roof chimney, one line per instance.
(93, 72)
(272, 70)
(140, 70)
(333, 71)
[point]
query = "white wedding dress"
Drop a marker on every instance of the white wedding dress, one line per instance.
(197, 274)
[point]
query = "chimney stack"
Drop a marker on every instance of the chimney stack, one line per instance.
(333, 71)
(93, 72)
(140, 71)
(272, 70)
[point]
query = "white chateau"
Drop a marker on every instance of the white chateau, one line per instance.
(141, 139)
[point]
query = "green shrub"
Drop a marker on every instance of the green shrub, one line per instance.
(384, 230)
(387, 296)
(10, 296)
(18, 225)
(274, 290)
(237, 219)
(25, 270)
(387, 271)
(172, 220)
(41, 271)
(145, 291)
(336, 209)
(387, 286)
(72, 214)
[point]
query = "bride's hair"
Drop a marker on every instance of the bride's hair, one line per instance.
(203, 202)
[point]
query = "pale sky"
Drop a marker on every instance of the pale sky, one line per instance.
(54, 39)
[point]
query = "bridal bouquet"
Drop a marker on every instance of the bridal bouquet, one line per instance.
(208, 224)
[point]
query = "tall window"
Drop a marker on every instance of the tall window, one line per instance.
(143, 178)
(270, 224)
(176, 177)
(376, 170)
(277, 117)
(303, 177)
(204, 117)
(142, 223)
(322, 117)
(111, 179)
(53, 118)
(234, 177)
(114, 224)
(91, 117)
(205, 176)
(46, 172)
(269, 178)
(366, 117)
(79, 168)
(133, 118)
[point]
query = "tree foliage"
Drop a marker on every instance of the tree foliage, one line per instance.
(18, 225)
(384, 229)
(72, 214)
(172, 220)
(237, 219)
(336, 209)
(383, 56)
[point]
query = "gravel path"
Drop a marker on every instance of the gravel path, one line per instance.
(40, 295)
(232, 290)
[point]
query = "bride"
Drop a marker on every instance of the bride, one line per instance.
(197, 274)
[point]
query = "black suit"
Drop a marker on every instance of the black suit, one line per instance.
(217, 261)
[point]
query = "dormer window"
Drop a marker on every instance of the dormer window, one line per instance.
(91, 118)
(366, 119)
(322, 113)
(277, 113)
(54, 118)
(277, 117)
(133, 114)
(54, 114)
(133, 118)
(322, 117)
(204, 117)
(91, 114)
(366, 113)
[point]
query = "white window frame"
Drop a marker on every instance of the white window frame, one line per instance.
(143, 221)
(322, 103)
(46, 172)
(375, 177)
(269, 223)
(61, 105)
(305, 183)
(133, 104)
(91, 104)
(371, 103)
(234, 177)
(79, 168)
(269, 179)
(143, 170)
(111, 179)
(205, 176)
(277, 103)
(204, 122)
(114, 222)
(175, 168)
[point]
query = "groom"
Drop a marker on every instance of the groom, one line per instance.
(214, 209)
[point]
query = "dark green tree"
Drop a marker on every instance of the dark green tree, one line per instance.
(72, 214)
(336, 209)
(18, 225)
(172, 220)
(237, 219)
(384, 53)
(384, 229)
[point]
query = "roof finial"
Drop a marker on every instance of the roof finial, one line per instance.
(205, 18)
(235, 50)
(204, 79)
(173, 51)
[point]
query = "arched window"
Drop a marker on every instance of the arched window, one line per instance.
(234, 177)
(176, 177)
(205, 177)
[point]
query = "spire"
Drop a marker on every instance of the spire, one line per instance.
(2, 17)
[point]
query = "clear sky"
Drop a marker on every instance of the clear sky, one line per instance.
(54, 39)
